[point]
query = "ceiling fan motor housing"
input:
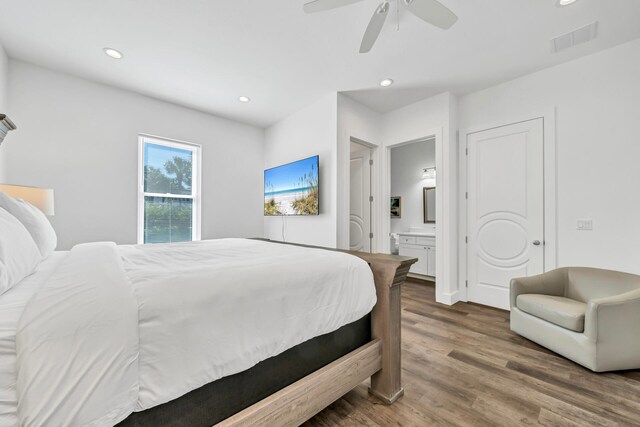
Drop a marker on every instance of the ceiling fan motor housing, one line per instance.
(430, 11)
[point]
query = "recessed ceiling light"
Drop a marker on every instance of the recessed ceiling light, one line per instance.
(565, 2)
(386, 82)
(113, 53)
(244, 99)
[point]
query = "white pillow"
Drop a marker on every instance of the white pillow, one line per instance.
(34, 221)
(19, 255)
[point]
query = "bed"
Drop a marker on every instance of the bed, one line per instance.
(197, 333)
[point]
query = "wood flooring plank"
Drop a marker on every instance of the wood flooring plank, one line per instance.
(622, 407)
(551, 419)
(511, 391)
(462, 366)
(567, 394)
(505, 415)
(342, 413)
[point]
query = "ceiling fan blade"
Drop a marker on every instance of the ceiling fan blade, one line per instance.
(322, 5)
(374, 28)
(432, 11)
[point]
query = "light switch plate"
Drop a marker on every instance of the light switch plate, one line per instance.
(585, 224)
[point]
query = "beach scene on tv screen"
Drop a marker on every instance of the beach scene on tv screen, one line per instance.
(292, 189)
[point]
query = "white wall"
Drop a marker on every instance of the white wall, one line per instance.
(597, 102)
(4, 105)
(80, 138)
(407, 162)
(356, 121)
(434, 116)
(310, 131)
(417, 120)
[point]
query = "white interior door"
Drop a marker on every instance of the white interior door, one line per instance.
(360, 203)
(505, 209)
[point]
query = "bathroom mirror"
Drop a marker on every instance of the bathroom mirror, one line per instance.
(429, 204)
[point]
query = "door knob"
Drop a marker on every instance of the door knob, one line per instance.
(536, 242)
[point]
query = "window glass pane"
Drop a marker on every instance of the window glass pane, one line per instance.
(167, 219)
(167, 170)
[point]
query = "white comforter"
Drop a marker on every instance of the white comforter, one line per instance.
(12, 304)
(123, 328)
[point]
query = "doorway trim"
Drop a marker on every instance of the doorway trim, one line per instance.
(373, 242)
(446, 215)
(548, 117)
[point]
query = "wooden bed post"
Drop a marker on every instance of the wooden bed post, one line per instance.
(389, 272)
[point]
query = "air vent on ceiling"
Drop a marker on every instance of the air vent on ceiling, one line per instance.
(575, 37)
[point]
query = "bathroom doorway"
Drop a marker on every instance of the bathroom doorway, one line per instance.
(412, 222)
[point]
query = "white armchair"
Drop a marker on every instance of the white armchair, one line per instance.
(588, 315)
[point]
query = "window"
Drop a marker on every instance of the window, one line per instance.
(168, 191)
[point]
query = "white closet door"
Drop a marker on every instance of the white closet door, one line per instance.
(359, 204)
(505, 209)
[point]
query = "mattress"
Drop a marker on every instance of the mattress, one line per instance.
(218, 400)
(118, 329)
(12, 304)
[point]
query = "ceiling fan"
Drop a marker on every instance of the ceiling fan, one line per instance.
(430, 11)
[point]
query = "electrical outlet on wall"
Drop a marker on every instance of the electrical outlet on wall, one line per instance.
(585, 224)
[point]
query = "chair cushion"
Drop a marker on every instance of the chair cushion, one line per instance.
(560, 311)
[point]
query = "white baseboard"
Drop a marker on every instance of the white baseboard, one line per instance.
(448, 298)
(421, 277)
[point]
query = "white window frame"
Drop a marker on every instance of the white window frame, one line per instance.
(196, 150)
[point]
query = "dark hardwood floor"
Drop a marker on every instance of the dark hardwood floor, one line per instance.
(462, 366)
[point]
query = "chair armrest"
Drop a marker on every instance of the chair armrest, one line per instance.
(615, 318)
(550, 283)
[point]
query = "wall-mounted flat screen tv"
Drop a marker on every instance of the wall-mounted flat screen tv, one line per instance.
(292, 189)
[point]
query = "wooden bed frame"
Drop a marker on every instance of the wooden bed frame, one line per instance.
(378, 359)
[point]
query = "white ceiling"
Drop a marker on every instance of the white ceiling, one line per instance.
(205, 53)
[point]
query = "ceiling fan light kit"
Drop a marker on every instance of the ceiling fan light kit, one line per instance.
(431, 11)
